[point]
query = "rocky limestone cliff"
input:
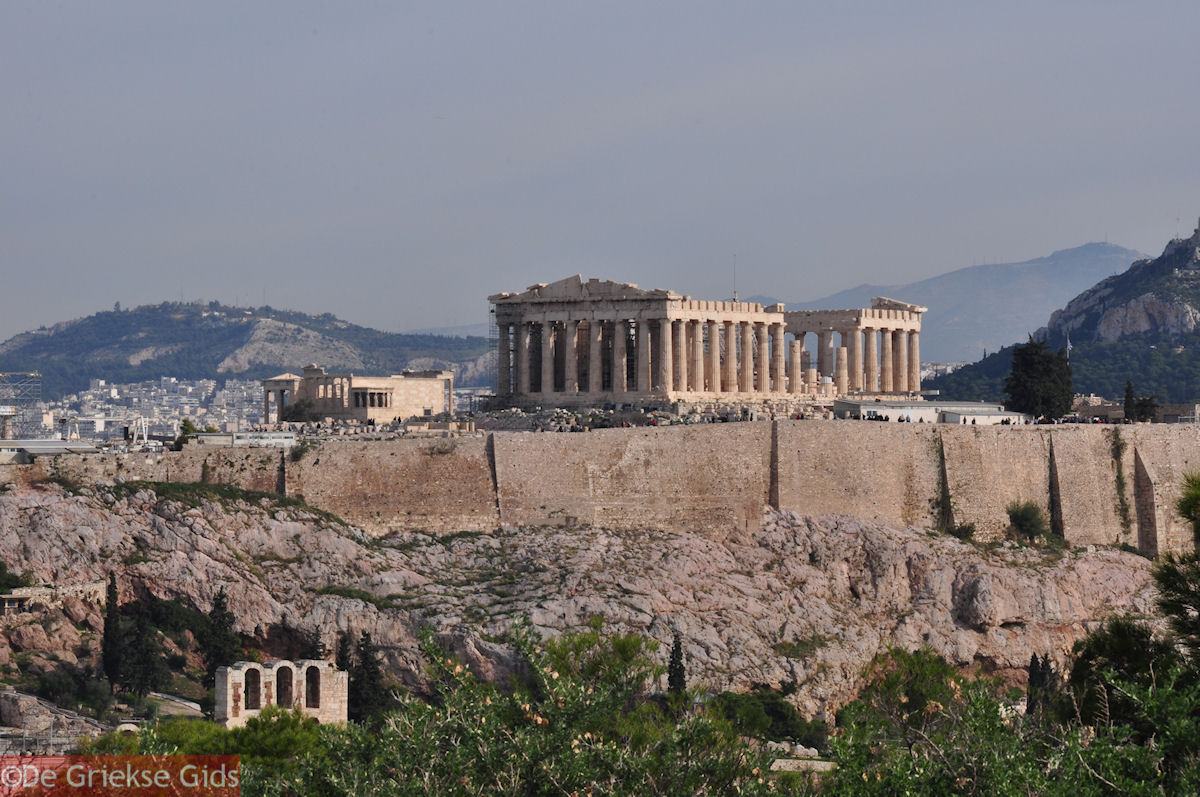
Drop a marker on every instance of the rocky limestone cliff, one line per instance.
(274, 341)
(809, 600)
(1155, 296)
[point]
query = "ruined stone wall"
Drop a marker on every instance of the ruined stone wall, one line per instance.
(437, 485)
(885, 472)
(1115, 484)
(709, 478)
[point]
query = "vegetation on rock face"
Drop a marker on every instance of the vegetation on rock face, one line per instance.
(580, 722)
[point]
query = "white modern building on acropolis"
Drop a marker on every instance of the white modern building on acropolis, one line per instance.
(576, 342)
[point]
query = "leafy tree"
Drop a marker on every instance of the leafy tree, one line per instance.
(1188, 505)
(1040, 381)
(579, 722)
(12, 580)
(112, 644)
(1178, 580)
(222, 646)
(1123, 649)
(676, 675)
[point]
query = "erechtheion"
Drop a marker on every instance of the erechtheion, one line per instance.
(581, 343)
(366, 399)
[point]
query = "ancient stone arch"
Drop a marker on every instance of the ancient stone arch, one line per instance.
(245, 688)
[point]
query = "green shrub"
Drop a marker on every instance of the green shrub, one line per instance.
(1027, 521)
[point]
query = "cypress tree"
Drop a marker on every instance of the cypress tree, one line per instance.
(676, 676)
(368, 695)
(112, 644)
(222, 646)
(344, 658)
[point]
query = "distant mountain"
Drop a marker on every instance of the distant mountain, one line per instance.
(215, 341)
(981, 308)
(1141, 326)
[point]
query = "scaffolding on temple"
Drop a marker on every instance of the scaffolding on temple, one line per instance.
(20, 400)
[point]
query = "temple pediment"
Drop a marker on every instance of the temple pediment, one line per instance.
(574, 288)
(884, 303)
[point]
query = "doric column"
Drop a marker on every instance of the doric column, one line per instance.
(522, 355)
(824, 353)
(854, 349)
(886, 368)
(712, 371)
(900, 361)
(643, 356)
(841, 379)
(679, 330)
(280, 403)
(665, 383)
(504, 361)
(266, 405)
(620, 357)
(697, 352)
(746, 381)
(777, 358)
(730, 379)
(762, 365)
(547, 386)
(595, 355)
(794, 355)
(872, 364)
(571, 357)
(914, 361)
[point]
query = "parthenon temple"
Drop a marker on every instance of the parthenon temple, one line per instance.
(577, 343)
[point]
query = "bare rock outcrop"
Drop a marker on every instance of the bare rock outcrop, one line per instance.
(805, 600)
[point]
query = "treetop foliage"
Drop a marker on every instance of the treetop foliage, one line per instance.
(1040, 381)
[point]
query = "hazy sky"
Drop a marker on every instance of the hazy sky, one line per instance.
(394, 163)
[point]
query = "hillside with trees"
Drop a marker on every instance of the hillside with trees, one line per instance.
(215, 341)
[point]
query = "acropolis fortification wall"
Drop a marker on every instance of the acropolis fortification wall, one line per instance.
(1114, 484)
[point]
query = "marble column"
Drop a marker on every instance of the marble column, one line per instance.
(665, 358)
(503, 361)
(872, 365)
(794, 355)
(620, 355)
(679, 331)
(777, 359)
(886, 367)
(697, 353)
(854, 349)
(712, 371)
(746, 382)
(595, 357)
(643, 356)
(729, 380)
(571, 358)
(900, 361)
(841, 379)
(522, 356)
(547, 385)
(914, 361)
(825, 353)
(763, 359)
